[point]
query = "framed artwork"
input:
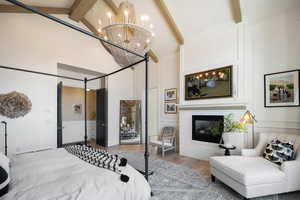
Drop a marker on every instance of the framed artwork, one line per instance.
(216, 83)
(170, 108)
(282, 89)
(77, 108)
(171, 94)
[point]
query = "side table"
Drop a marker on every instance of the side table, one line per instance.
(227, 149)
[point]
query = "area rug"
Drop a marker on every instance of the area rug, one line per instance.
(176, 182)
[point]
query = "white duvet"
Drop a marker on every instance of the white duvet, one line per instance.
(59, 175)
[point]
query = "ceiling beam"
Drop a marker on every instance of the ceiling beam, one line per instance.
(90, 26)
(153, 56)
(112, 6)
(48, 10)
(115, 9)
(237, 11)
(80, 8)
(170, 20)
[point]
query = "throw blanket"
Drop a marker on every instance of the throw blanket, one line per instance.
(100, 158)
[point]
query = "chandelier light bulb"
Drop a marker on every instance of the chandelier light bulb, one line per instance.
(148, 40)
(153, 34)
(99, 30)
(126, 13)
(138, 44)
(151, 26)
(109, 15)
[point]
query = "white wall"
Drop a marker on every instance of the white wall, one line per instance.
(255, 48)
(32, 42)
(73, 131)
(162, 75)
(274, 46)
(94, 85)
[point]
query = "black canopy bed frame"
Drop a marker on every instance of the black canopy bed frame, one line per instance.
(144, 58)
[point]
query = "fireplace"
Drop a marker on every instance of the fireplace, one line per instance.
(208, 128)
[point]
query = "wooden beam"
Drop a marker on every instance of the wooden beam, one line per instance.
(170, 21)
(112, 6)
(237, 12)
(48, 10)
(90, 26)
(80, 8)
(153, 56)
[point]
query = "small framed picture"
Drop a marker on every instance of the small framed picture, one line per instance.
(171, 94)
(170, 108)
(282, 89)
(77, 108)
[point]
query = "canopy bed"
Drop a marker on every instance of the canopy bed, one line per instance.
(65, 176)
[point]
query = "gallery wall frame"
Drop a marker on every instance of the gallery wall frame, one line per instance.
(171, 94)
(281, 89)
(170, 107)
(207, 84)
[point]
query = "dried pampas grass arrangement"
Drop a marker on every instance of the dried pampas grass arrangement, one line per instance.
(14, 105)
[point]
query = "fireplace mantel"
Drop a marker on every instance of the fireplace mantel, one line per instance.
(225, 106)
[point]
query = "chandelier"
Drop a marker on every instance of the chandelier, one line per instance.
(127, 31)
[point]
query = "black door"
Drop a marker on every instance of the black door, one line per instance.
(59, 114)
(101, 129)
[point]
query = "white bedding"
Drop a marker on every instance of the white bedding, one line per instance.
(59, 175)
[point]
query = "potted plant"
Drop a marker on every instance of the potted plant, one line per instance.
(233, 132)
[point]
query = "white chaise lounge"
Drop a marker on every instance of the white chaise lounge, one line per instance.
(253, 176)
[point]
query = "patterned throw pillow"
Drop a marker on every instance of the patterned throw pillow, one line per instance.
(277, 151)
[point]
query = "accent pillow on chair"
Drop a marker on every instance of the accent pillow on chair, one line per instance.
(277, 151)
(4, 174)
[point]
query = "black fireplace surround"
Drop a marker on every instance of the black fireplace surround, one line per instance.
(208, 128)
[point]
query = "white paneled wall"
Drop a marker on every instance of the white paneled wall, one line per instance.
(269, 45)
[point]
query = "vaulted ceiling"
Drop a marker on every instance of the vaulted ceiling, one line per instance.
(174, 20)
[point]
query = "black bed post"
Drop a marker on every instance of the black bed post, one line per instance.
(85, 111)
(5, 135)
(146, 118)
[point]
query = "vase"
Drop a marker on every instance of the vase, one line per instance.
(236, 139)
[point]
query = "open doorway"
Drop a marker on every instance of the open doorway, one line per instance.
(70, 119)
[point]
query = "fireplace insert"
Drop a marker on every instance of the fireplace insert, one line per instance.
(208, 128)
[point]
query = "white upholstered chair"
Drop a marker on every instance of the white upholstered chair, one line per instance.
(166, 141)
(253, 176)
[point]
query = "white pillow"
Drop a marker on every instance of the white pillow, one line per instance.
(4, 174)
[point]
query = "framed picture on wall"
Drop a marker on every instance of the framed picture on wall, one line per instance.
(77, 108)
(171, 94)
(170, 108)
(216, 83)
(282, 89)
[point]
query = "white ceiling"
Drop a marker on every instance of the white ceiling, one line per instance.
(192, 16)
(256, 10)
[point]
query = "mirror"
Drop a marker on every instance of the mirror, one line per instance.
(130, 122)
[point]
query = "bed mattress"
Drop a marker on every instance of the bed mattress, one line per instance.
(59, 175)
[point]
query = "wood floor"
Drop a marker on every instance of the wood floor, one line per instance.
(199, 165)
